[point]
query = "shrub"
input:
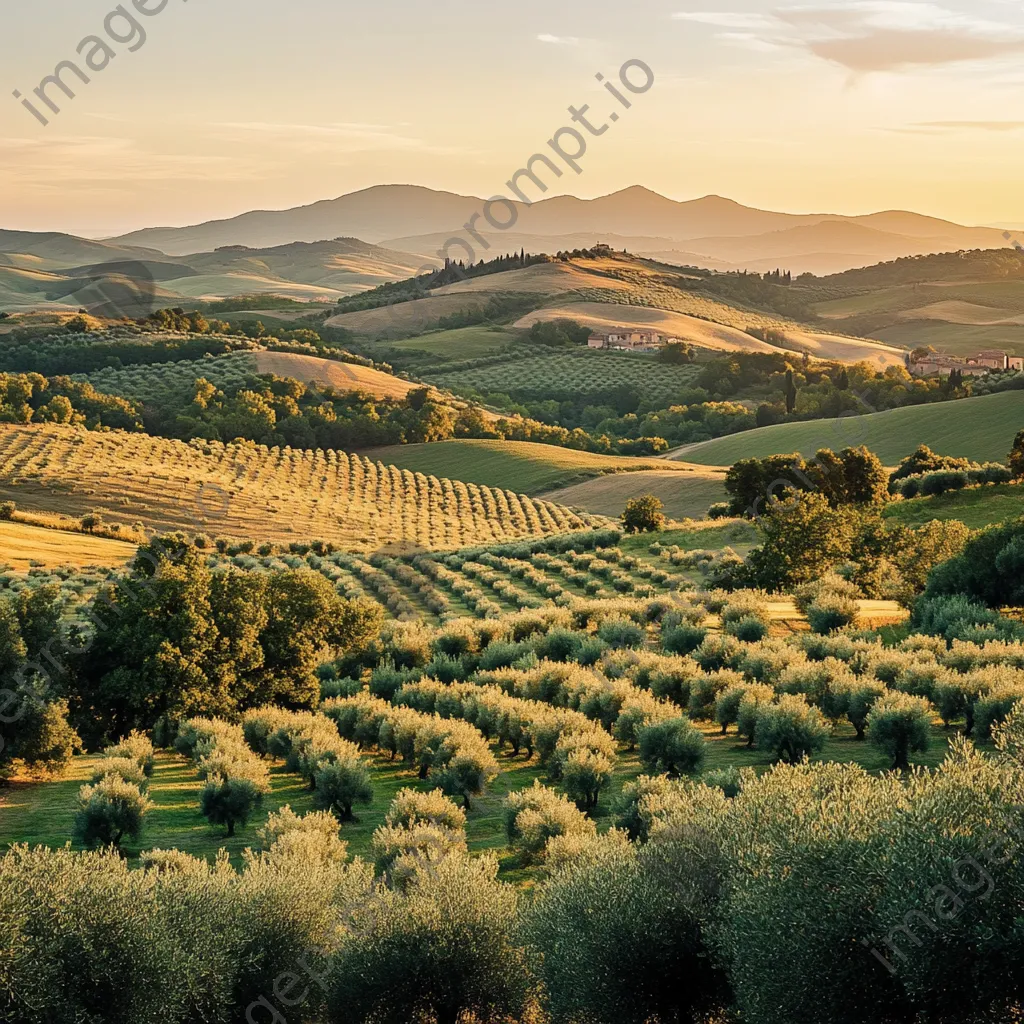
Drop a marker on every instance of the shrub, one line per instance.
(728, 780)
(674, 746)
(312, 837)
(790, 729)
(339, 785)
(440, 949)
(402, 851)
(749, 629)
(411, 805)
(994, 707)
(831, 612)
(230, 801)
(109, 811)
(641, 802)
(125, 768)
(645, 514)
(7, 510)
(900, 725)
(682, 639)
(535, 815)
(619, 633)
(138, 747)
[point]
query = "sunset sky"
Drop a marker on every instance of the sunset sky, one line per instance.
(230, 105)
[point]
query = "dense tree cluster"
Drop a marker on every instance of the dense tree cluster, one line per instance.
(174, 639)
(32, 398)
(854, 476)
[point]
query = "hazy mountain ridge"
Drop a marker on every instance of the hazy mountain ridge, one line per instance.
(712, 231)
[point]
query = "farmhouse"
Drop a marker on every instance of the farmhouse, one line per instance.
(988, 361)
(624, 339)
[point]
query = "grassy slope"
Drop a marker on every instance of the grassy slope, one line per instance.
(340, 376)
(464, 343)
(22, 546)
(977, 507)
(521, 466)
(978, 428)
(684, 497)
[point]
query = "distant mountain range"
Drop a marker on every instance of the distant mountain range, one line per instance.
(712, 232)
(55, 271)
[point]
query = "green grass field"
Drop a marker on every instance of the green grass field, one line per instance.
(522, 466)
(683, 496)
(464, 343)
(976, 428)
(977, 506)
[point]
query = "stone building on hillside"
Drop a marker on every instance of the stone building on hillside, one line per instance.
(626, 339)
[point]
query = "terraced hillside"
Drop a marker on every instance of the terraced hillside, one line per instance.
(976, 428)
(250, 491)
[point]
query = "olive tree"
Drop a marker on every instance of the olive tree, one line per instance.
(340, 785)
(674, 746)
(900, 724)
(109, 811)
(441, 948)
(791, 729)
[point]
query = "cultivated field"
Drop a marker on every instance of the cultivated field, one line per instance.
(542, 374)
(167, 381)
(249, 491)
(956, 317)
(521, 465)
(340, 376)
(23, 546)
(976, 428)
(463, 343)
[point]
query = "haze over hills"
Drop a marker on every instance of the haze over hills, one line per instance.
(712, 231)
(63, 272)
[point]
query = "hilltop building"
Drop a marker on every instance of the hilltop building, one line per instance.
(988, 361)
(625, 339)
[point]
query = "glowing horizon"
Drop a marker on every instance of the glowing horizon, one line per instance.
(840, 107)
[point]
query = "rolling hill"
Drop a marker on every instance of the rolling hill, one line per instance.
(522, 465)
(41, 271)
(684, 497)
(976, 428)
(958, 303)
(250, 491)
(612, 291)
(420, 220)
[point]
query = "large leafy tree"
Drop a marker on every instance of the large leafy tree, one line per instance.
(990, 568)
(175, 639)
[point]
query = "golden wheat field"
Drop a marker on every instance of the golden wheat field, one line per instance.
(340, 376)
(24, 546)
(245, 490)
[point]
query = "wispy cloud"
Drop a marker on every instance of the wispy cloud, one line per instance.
(546, 37)
(947, 127)
(727, 19)
(869, 35)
